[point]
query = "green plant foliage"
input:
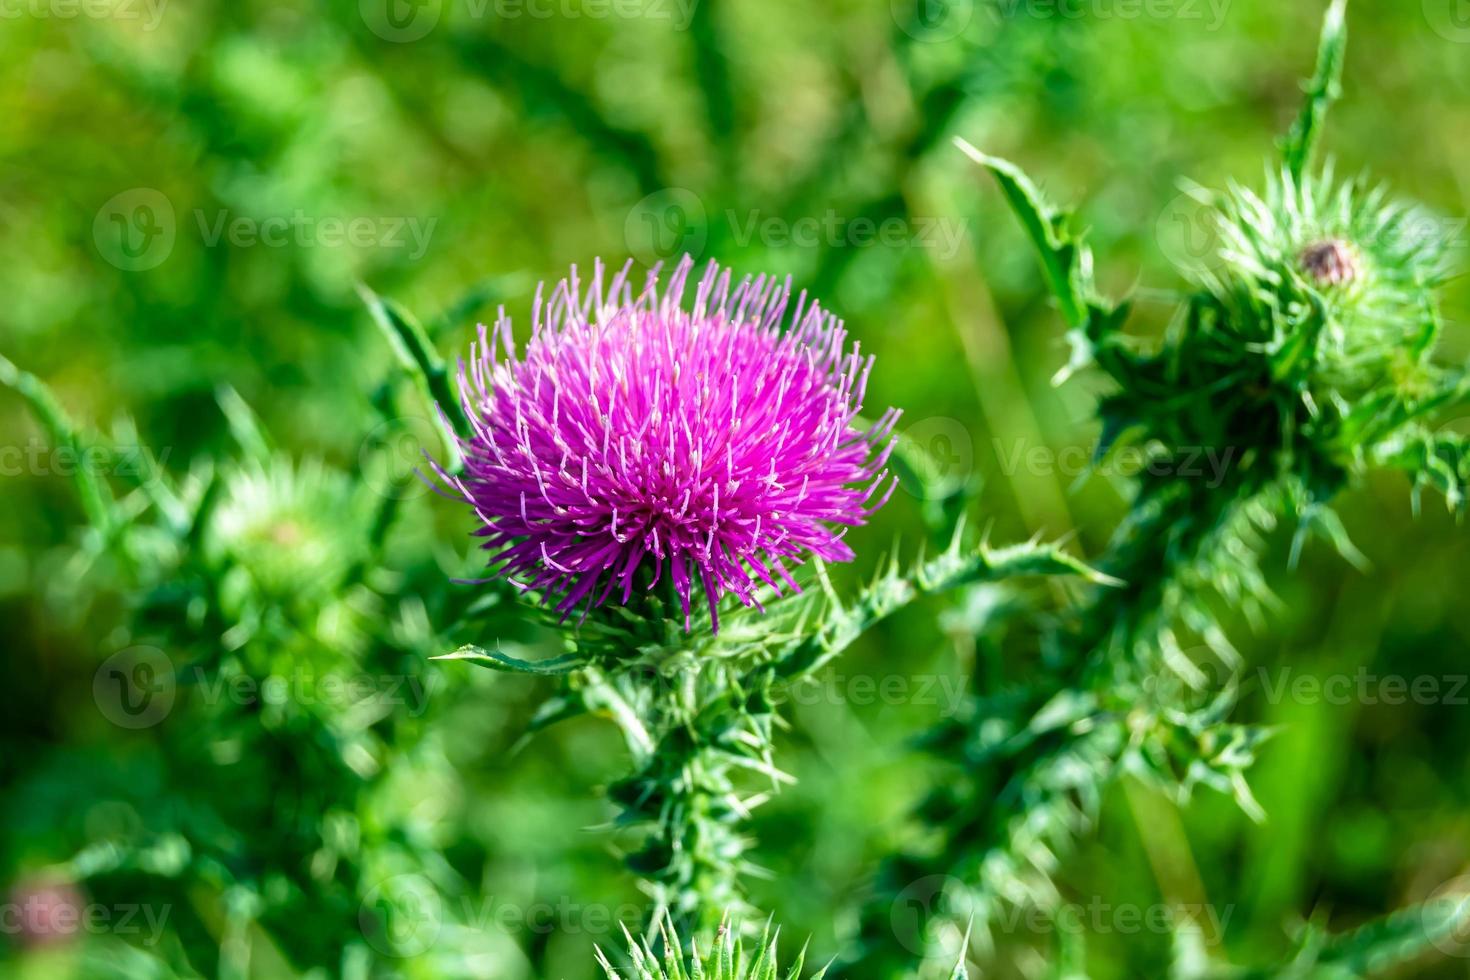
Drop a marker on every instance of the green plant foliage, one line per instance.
(246, 716)
(264, 626)
(264, 572)
(1303, 360)
(1405, 938)
(698, 711)
(727, 958)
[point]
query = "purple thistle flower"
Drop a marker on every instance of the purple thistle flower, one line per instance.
(711, 444)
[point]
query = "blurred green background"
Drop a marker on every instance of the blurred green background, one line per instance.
(190, 194)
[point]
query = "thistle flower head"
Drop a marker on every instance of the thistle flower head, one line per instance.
(637, 441)
(1370, 263)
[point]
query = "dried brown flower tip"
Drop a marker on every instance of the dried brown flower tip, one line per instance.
(1330, 263)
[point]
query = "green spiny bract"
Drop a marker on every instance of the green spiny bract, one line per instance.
(1340, 257)
(727, 958)
(1300, 362)
(699, 710)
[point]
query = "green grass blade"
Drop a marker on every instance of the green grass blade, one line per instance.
(1322, 91)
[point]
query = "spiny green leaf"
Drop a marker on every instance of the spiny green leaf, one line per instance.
(1423, 931)
(97, 500)
(1324, 89)
(892, 589)
(416, 353)
(495, 660)
(1064, 259)
(1431, 927)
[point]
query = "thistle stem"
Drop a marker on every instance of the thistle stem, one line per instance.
(682, 795)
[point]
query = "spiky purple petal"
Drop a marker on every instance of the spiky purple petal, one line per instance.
(710, 445)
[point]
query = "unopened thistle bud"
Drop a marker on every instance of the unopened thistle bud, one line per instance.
(1365, 255)
(1333, 262)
